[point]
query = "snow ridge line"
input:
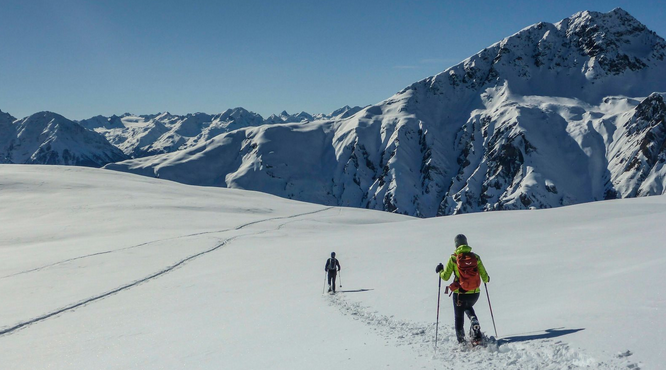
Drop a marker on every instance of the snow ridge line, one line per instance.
(535, 354)
(158, 241)
(148, 278)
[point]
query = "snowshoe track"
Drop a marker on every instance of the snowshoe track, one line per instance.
(10, 329)
(535, 354)
(164, 240)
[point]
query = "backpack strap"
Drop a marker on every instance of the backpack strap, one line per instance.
(454, 260)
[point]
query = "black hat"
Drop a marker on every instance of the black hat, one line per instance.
(460, 239)
(332, 254)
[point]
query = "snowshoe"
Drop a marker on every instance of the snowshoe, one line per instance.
(489, 343)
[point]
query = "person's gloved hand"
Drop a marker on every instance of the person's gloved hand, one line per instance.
(439, 268)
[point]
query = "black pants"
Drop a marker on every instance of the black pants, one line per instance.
(463, 304)
(331, 278)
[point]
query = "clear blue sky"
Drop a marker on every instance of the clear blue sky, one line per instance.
(83, 58)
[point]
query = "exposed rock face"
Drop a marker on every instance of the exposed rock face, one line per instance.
(637, 160)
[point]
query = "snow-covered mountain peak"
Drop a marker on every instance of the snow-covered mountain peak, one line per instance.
(616, 40)
(164, 116)
(46, 123)
(49, 138)
(104, 122)
(301, 117)
(583, 56)
(617, 23)
(240, 114)
(552, 115)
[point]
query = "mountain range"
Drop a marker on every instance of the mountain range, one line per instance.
(553, 115)
(146, 135)
(49, 138)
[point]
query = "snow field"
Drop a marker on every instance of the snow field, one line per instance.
(121, 271)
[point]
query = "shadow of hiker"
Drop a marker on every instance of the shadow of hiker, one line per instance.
(354, 291)
(549, 333)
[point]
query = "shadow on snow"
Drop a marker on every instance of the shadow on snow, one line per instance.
(549, 333)
(354, 291)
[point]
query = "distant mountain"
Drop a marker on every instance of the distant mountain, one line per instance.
(48, 138)
(7, 133)
(343, 112)
(285, 117)
(140, 136)
(146, 135)
(555, 114)
(303, 117)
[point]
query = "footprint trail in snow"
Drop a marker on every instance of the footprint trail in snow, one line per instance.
(535, 354)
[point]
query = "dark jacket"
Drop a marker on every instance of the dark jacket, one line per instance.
(332, 266)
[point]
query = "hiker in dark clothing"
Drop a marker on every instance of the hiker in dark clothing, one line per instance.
(332, 267)
(469, 272)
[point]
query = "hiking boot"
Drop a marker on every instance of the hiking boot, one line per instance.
(475, 329)
(329, 288)
(460, 335)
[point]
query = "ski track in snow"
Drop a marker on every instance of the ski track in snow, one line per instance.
(533, 354)
(160, 241)
(21, 325)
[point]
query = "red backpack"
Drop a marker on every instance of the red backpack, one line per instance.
(468, 268)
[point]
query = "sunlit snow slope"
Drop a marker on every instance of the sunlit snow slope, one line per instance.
(107, 270)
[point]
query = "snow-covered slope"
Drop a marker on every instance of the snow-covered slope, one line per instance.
(555, 114)
(49, 138)
(107, 270)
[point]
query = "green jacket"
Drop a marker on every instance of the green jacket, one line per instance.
(452, 267)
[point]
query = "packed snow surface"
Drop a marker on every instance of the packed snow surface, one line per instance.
(108, 270)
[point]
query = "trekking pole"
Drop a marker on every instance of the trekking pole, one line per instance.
(323, 290)
(491, 310)
(340, 278)
(439, 290)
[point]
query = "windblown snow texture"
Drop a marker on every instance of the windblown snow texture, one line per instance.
(553, 115)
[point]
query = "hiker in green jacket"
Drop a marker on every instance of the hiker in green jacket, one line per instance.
(469, 271)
